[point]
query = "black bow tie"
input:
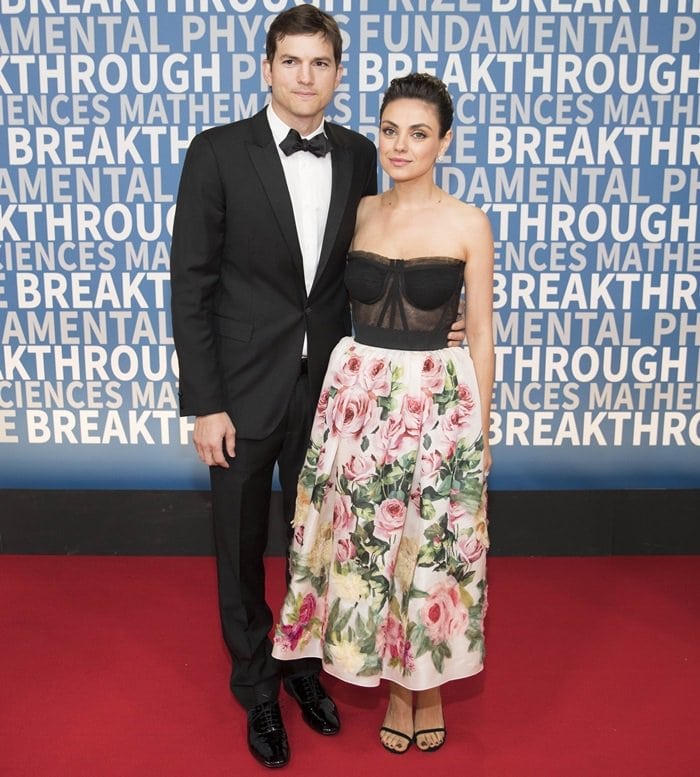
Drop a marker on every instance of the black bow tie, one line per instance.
(318, 145)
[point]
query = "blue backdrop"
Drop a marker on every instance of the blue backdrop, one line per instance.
(577, 129)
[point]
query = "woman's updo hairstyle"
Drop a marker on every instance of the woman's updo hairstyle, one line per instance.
(429, 89)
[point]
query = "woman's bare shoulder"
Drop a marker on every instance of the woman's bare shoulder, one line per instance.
(470, 220)
(465, 210)
(369, 204)
(366, 209)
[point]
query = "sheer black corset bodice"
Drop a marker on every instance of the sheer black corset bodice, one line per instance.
(407, 304)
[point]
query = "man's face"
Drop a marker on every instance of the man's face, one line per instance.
(303, 76)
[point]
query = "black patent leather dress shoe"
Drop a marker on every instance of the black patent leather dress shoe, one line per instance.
(267, 739)
(317, 707)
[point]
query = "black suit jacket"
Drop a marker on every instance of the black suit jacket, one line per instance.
(239, 303)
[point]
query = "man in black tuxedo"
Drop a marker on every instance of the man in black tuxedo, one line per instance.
(262, 227)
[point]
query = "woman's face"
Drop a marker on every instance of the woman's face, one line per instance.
(409, 138)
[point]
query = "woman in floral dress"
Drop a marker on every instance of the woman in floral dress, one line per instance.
(388, 563)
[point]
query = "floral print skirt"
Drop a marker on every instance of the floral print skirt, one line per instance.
(388, 562)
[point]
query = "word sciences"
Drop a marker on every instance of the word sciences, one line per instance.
(563, 109)
(145, 110)
(91, 394)
(35, 394)
(221, 107)
(69, 256)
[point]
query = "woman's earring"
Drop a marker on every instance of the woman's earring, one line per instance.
(440, 158)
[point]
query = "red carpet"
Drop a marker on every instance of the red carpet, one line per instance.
(115, 667)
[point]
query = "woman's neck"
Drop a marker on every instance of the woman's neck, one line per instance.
(413, 195)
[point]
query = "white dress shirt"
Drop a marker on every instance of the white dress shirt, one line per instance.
(309, 181)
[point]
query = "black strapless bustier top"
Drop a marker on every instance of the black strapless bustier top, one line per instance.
(406, 304)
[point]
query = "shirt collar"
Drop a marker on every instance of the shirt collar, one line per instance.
(280, 130)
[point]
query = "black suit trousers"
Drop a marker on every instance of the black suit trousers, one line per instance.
(241, 505)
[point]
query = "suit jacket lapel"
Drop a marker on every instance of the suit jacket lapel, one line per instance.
(265, 158)
(341, 160)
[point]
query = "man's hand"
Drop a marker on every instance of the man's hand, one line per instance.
(211, 434)
(458, 330)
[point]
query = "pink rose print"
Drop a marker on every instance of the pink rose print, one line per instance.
(391, 638)
(307, 609)
(349, 372)
(324, 412)
(397, 439)
(416, 497)
(431, 463)
(412, 411)
(456, 512)
(470, 549)
(345, 551)
(465, 396)
(299, 535)
(322, 614)
(389, 519)
(407, 657)
(323, 401)
(343, 519)
(291, 634)
(443, 613)
(359, 469)
(432, 375)
(419, 414)
(352, 411)
(375, 377)
(457, 418)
